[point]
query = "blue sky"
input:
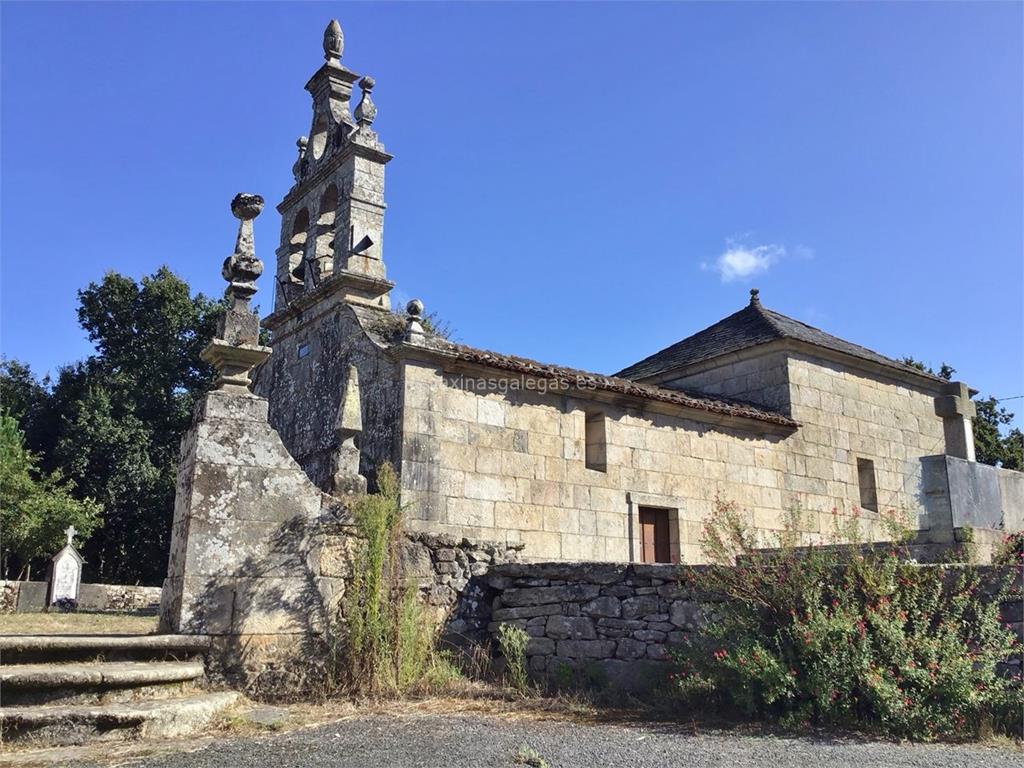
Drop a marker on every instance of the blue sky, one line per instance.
(577, 183)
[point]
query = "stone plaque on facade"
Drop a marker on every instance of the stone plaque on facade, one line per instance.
(66, 573)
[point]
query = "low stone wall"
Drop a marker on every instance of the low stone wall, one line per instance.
(449, 572)
(957, 494)
(610, 620)
(611, 623)
(30, 597)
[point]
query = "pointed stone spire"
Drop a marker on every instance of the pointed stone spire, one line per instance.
(236, 349)
(350, 414)
(334, 41)
(345, 477)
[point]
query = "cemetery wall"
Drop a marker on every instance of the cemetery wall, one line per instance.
(30, 597)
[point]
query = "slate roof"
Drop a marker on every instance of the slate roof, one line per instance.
(751, 326)
(574, 378)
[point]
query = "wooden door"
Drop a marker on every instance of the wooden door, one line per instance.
(654, 536)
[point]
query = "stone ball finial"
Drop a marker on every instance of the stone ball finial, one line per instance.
(366, 110)
(334, 41)
(245, 206)
(242, 267)
(755, 296)
(414, 332)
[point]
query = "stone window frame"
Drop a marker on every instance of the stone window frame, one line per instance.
(866, 480)
(600, 445)
(672, 504)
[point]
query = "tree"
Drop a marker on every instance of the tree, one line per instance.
(125, 409)
(27, 400)
(35, 509)
(990, 445)
(113, 422)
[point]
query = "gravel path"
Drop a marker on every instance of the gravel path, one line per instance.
(425, 741)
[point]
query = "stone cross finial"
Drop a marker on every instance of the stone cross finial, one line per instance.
(955, 407)
(755, 297)
(414, 328)
(70, 532)
(366, 110)
(334, 41)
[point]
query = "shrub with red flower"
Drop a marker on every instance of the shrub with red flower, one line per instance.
(848, 635)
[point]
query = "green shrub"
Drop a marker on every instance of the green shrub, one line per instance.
(846, 635)
(512, 641)
(1010, 551)
(389, 642)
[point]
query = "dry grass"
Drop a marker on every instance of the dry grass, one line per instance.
(76, 624)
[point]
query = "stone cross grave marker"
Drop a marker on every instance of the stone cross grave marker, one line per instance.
(66, 574)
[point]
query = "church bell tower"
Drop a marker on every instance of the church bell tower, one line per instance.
(332, 219)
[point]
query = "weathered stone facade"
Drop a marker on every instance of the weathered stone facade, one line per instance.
(504, 459)
(758, 409)
(512, 467)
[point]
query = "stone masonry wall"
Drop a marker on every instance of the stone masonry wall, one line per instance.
(846, 415)
(510, 466)
(612, 621)
(761, 378)
(305, 392)
(447, 571)
(122, 598)
(30, 597)
(614, 624)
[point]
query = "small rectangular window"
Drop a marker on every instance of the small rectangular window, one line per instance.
(303, 350)
(597, 445)
(866, 481)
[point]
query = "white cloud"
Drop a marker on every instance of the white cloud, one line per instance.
(739, 261)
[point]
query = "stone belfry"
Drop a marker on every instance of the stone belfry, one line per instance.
(332, 219)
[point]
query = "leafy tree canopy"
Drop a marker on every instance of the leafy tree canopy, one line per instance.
(113, 422)
(35, 509)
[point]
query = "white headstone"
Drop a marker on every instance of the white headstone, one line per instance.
(66, 574)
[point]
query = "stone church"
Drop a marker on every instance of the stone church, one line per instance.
(757, 408)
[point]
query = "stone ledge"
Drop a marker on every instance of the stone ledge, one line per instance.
(151, 719)
(88, 643)
(117, 673)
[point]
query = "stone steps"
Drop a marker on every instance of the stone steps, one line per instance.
(96, 682)
(64, 724)
(70, 689)
(50, 648)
